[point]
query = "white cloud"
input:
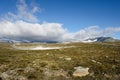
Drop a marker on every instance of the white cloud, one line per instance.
(35, 9)
(110, 30)
(48, 31)
(23, 25)
(24, 12)
(33, 31)
(95, 31)
(92, 31)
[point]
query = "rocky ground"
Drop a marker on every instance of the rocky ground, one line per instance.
(84, 61)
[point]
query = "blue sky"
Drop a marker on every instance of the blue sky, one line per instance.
(82, 13)
(74, 15)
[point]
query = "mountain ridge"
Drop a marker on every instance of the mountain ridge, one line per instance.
(101, 39)
(95, 39)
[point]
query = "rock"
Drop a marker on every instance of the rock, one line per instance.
(17, 74)
(6, 76)
(94, 61)
(51, 73)
(47, 54)
(80, 71)
(68, 59)
(29, 70)
(61, 72)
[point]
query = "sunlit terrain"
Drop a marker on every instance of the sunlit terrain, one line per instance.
(65, 61)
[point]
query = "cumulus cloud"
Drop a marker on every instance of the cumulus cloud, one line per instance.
(24, 26)
(24, 12)
(48, 31)
(95, 31)
(32, 31)
(35, 9)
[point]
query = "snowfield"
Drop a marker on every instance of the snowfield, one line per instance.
(15, 46)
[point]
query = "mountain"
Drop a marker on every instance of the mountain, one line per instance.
(96, 39)
(13, 41)
(101, 39)
(24, 41)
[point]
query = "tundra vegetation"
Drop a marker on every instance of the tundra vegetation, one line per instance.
(102, 61)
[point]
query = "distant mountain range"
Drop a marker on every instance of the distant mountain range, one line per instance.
(96, 39)
(24, 41)
(101, 39)
(13, 41)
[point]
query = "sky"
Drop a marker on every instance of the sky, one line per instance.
(59, 20)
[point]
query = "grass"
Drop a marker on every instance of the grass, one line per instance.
(103, 60)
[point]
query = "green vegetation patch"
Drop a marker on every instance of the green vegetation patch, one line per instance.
(102, 59)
